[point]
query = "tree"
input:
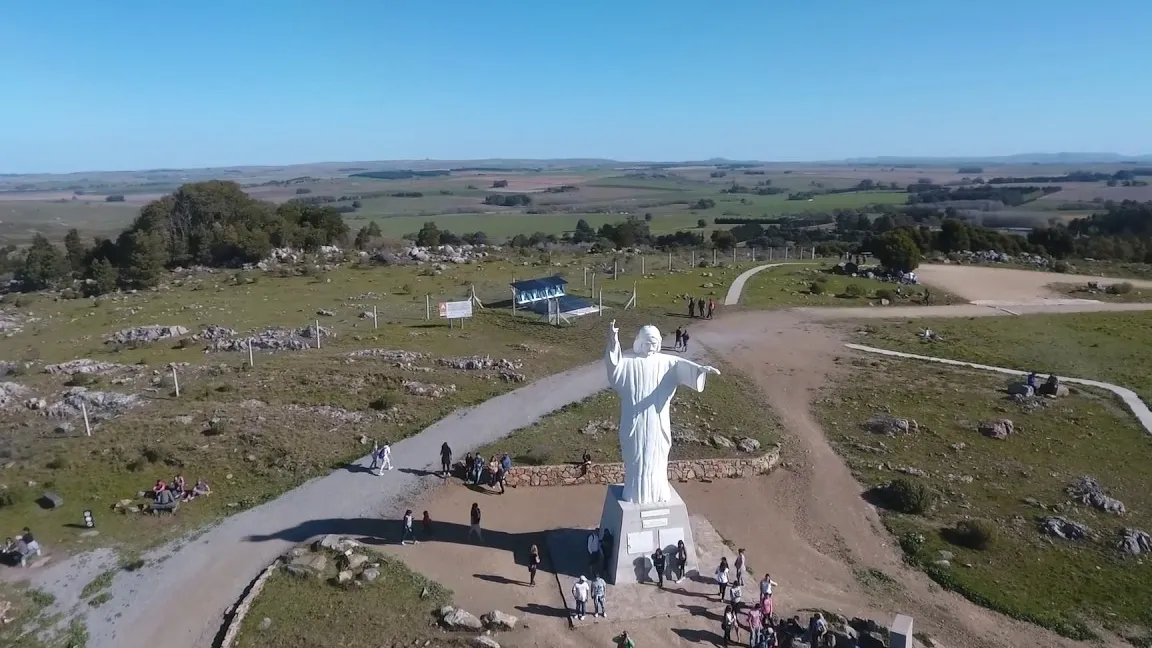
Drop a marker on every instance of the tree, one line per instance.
(897, 251)
(44, 265)
(499, 184)
(723, 239)
(103, 276)
(701, 223)
(362, 238)
(114, 198)
(76, 251)
(953, 237)
(429, 235)
(374, 230)
(145, 258)
(703, 203)
(648, 217)
(583, 232)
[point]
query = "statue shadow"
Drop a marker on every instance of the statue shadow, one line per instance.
(377, 532)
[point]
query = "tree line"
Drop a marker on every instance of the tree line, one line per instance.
(210, 223)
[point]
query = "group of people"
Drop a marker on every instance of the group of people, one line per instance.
(679, 562)
(767, 631)
(681, 339)
(408, 534)
(166, 496)
(20, 549)
(491, 473)
(700, 308)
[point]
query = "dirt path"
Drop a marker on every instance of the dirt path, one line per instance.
(982, 283)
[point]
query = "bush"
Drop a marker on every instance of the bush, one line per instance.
(82, 380)
(854, 290)
(10, 497)
(974, 534)
(885, 293)
(386, 401)
(538, 456)
(1122, 288)
(1061, 266)
(817, 288)
(907, 496)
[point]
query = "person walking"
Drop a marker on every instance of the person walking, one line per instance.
(728, 625)
(681, 560)
(679, 338)
(385, 458)
(594, 551)
(533, 565)
(766, 586)
(580, 591)
(659, 563)
(475, 519)
(755, 625)
(409, 534)
(711, 307)
(598, 589)
(684, 341)
(736, 596)
(691, 307)
(374, 467)
(739, 566)
(722, 576)
(445, 460)
(700, 306)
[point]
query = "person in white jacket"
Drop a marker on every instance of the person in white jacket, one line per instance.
(580, 591)
(384, 459)
(722, 576)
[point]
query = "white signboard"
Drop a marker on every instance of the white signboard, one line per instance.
(655, 522)
(641, 542)
(456, 309)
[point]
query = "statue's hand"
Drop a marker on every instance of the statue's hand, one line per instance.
(712, 370)
(613, 327)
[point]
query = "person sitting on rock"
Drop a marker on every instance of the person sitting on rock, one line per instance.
(201, 489)
(157, 487)
(477, 469)
(179, 485)
(1033, 381)
(467, 473)
(165, 501)
(585, 462)
(493, 468)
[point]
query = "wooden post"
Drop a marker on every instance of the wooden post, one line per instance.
(733, 254)
(375, 318)
(601, 303)
(693, 258)
(176, 381)
(514, 294)
(615, 269)
(251, 362)
(785, 252)
(427, 307)
(317, 334)
(669, 262)
(752, 251)
(713, 256)
(585, 276)
(770, 253)
(87, 425)
(642, 264)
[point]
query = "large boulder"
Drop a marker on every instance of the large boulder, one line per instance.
(484, 641)
(1135, 542)
(1062, 527)
(996, 429)
(890, 425)
(497, 620)
(311, 562)
(457, 619)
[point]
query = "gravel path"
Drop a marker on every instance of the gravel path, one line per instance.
(179, 602)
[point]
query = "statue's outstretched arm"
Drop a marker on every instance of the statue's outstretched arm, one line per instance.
(612, 354)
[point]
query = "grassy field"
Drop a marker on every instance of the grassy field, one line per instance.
(728, 406)
(254, 432)
(1112, 347)
(815, 285)
(1081, 291)
(20, 220)
(311, 611)
(1067, 586)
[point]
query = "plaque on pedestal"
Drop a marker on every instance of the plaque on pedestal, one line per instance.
(637, 530)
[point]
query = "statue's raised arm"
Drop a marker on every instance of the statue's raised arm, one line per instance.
(612, 354)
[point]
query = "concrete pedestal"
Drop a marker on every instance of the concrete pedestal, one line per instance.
(637, 530)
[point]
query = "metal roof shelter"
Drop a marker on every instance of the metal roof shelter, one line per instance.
(534, 290)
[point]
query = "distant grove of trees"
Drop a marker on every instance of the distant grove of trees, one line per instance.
(508, 200)
(1077, 176)
(114, 198)
(1011, 196)
(399, 174)
(970, 169)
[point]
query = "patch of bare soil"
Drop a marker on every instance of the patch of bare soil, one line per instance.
(979, 283)
(807, 523)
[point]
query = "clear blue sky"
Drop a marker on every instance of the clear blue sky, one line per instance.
(131, 84)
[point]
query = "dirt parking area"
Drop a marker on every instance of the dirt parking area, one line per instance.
(1010, 286)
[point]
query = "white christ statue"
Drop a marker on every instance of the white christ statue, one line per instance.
(645, 381)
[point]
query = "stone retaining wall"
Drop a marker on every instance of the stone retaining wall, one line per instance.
(613, 473)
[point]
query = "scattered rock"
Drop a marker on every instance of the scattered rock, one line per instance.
(484, 641)
(890, 425)
(417, 388)
(478, 363)
(356, 561)
(1090, 493)
(324, 312)
(747, 444)
(214, 332)
(100, 405)
(313, 562)
(84, 366)
(959, 446)
(343, 577)
(266, 340)
(1062, 527)
(457, 619)
(1135, 542)
(497, 620)
(265, 623)
(1021, 389)
(400, 357)
(594, 428)
(997, 429)
(909, 470)
(145, 334)
(369, 575)
(946, 555)
(50, 500)
(11, 393)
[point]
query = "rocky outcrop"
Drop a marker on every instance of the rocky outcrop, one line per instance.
(146, 334)
(478, 363)
(454, 618)
(1062, 527)
(100, 405)
(613, 473)
(11, 393)
(1135, 542)
(417, 388)
(1090, 493)
(497, 620)
(890, 425)
(84, 366)
(998, 429)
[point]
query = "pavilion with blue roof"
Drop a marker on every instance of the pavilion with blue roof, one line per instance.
(537, 294)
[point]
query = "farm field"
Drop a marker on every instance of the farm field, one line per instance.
(816, 285)
(1008, 485)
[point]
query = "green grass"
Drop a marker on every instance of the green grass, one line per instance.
(728, 406)
(506, 224)
(28, 625)
(101, 582)
(264, 451)
(1065, 586)
(1112, 347)
(306, 612)
(20, 220)
(1081, 291)
(792, 285)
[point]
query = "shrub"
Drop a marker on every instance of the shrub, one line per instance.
(822, 279)
(1061, 266)
(388, 400)
(907, 496)
(817, 288)
(82, 380)
(1122, 288)
(974, 534)
(10, 497)
(885, 293)
(854, 290)
(538, 456)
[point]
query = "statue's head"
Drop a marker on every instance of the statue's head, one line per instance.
(648, 341)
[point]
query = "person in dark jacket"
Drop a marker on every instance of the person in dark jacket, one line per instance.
(445, 459)
(659, 563)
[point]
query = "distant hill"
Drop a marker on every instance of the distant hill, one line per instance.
(1020, 158)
